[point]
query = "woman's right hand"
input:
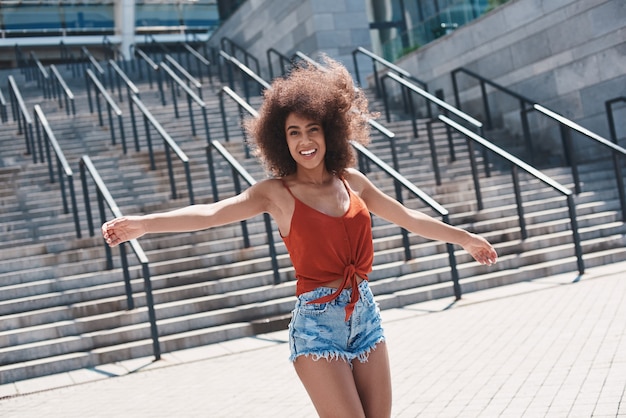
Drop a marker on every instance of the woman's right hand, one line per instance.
(122, 229)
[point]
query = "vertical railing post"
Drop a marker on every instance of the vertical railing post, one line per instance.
(576, 236)
(473, 165)
(518, 200)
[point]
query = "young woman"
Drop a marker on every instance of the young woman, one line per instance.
(322, 209)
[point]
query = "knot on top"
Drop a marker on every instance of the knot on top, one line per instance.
(349, 272)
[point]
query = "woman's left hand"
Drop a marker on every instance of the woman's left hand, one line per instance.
(482, 251)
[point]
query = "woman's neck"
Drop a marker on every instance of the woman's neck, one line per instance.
(318, 177)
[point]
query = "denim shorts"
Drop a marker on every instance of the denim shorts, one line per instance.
(321, 331)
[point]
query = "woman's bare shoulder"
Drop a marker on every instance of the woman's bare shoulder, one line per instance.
(272, 190)
(357, 180)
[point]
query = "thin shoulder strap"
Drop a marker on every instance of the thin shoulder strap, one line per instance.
(288, 189)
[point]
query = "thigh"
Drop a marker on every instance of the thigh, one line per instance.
(373, 382)
(330, 385)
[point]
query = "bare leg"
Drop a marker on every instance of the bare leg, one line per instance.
(373, 382)
(330, 385)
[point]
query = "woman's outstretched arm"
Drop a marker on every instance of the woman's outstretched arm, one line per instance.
(419, 223)
(248, 204)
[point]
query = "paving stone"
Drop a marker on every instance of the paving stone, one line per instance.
(549, 348)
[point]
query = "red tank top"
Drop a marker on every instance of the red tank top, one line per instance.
(325, 248)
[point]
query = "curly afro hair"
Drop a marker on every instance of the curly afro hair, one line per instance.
(325, 94)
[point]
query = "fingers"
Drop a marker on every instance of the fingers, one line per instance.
(486, 256)
(110, 235)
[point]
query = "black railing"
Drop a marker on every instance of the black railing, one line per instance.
(169, 145)
(239, 171)
(61, 91)
(284, 62)
(234, 49)
(201, 62)
(191, 97)
(90, 61)
(608, 105)
(20, 59)
(41, 75)
(117, 76)
(516, 165)
(191, 80)
(160, 51)
(445, 108)
(567, 126)
(103, 196)
(401, 184)
(246, 75)
(242, 105)
(150, 65)
(112, 107)
(71, 62)
(23, 118)
(4, 116)
(114, 52)
(375, 59)
(63, 169)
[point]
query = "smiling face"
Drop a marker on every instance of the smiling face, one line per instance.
(306, 141)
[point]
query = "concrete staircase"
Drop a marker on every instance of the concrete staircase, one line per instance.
(61, 309)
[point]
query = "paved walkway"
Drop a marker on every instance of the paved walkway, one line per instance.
(554, 347)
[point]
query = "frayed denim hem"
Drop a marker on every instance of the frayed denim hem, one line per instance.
(331, 355)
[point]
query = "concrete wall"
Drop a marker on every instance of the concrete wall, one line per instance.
(568, 55)
(334, 27)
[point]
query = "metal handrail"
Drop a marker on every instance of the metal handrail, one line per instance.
(169, 144)
(3, 108)
(131, 89)
(59, 85)
(164, 49)
(104, 196)
(618, 169)
(120, 76)
(283, 59)
(42, 76)
(246, 73)
(191, 97)
(64, 170)
(483, 82)
(301, 55)
(237, 171)
(234, 47)
(112, 107)
(516, 164)
(393, 68)
(94, 63)
(445, 107)
(155, 67)
(608, 105)
(201, 61)
(71, 62)
(566, 127)
(24, 120)
(22, 64)
(389, 65)
(191, 80)
(401, 184)
(243, 105)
